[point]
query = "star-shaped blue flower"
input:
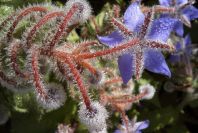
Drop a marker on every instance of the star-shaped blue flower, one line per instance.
(133, 127)
(184, 12)
(152, 36)
(183, 47)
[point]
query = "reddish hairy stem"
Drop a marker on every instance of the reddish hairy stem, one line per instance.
(63, 70)
(45, 50)
(121, 27)
(88, 66)
(41, 22)
(20, 17)
(124, 46)
(62, 26)
(146, 23)
(138, 65)
(13, 57)
(68, 60)
(159, 9)
(8, 19)
(125, 120)
(37, 79)
(114, 80)
(129, 100)
(83, 46)
(163, 46)
(162, 9)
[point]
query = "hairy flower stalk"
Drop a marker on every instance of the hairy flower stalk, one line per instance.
(50, 96)
(159, 9)
(41, 22)
(121, 27)
(113, 80)
(76, 9)
(14, 49)
(68, 60)
(91, 69)
(117, 50)
(83, 46)
(5, 22)
(36, 75)
(21, 15)
(129, 99)
(62, 26)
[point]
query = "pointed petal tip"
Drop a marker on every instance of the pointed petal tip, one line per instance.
(155, 62)
(112, 39)
(125, 67)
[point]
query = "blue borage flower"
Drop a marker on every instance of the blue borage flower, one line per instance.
(152, 35)
(184, 12)
(183, 47)
(133, 127)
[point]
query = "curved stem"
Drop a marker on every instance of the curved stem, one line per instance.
(88, 66)
(68, 60)
(20, 17)
(37, 78)
(41, 22)
(128, 100)
(8, 19)
(83, 46)
(113, 80)
(60, 32)
(14, 49)
(119, 48)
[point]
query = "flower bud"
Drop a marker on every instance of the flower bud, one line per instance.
(55, 97)
(84, 10)
(94, 119)
(149, 90)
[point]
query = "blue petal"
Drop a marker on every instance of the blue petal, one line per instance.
(187, 41)
(179, 28)
(138, 131)
(174, 58)
(178, 47)
(165, 2)
(133, 17)
(161, 29)
(155, 62)
(112, 39)
(170, 3)
(178, 2)
(117, 131)
(142, 125)
(191, 12)
(125, 67)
